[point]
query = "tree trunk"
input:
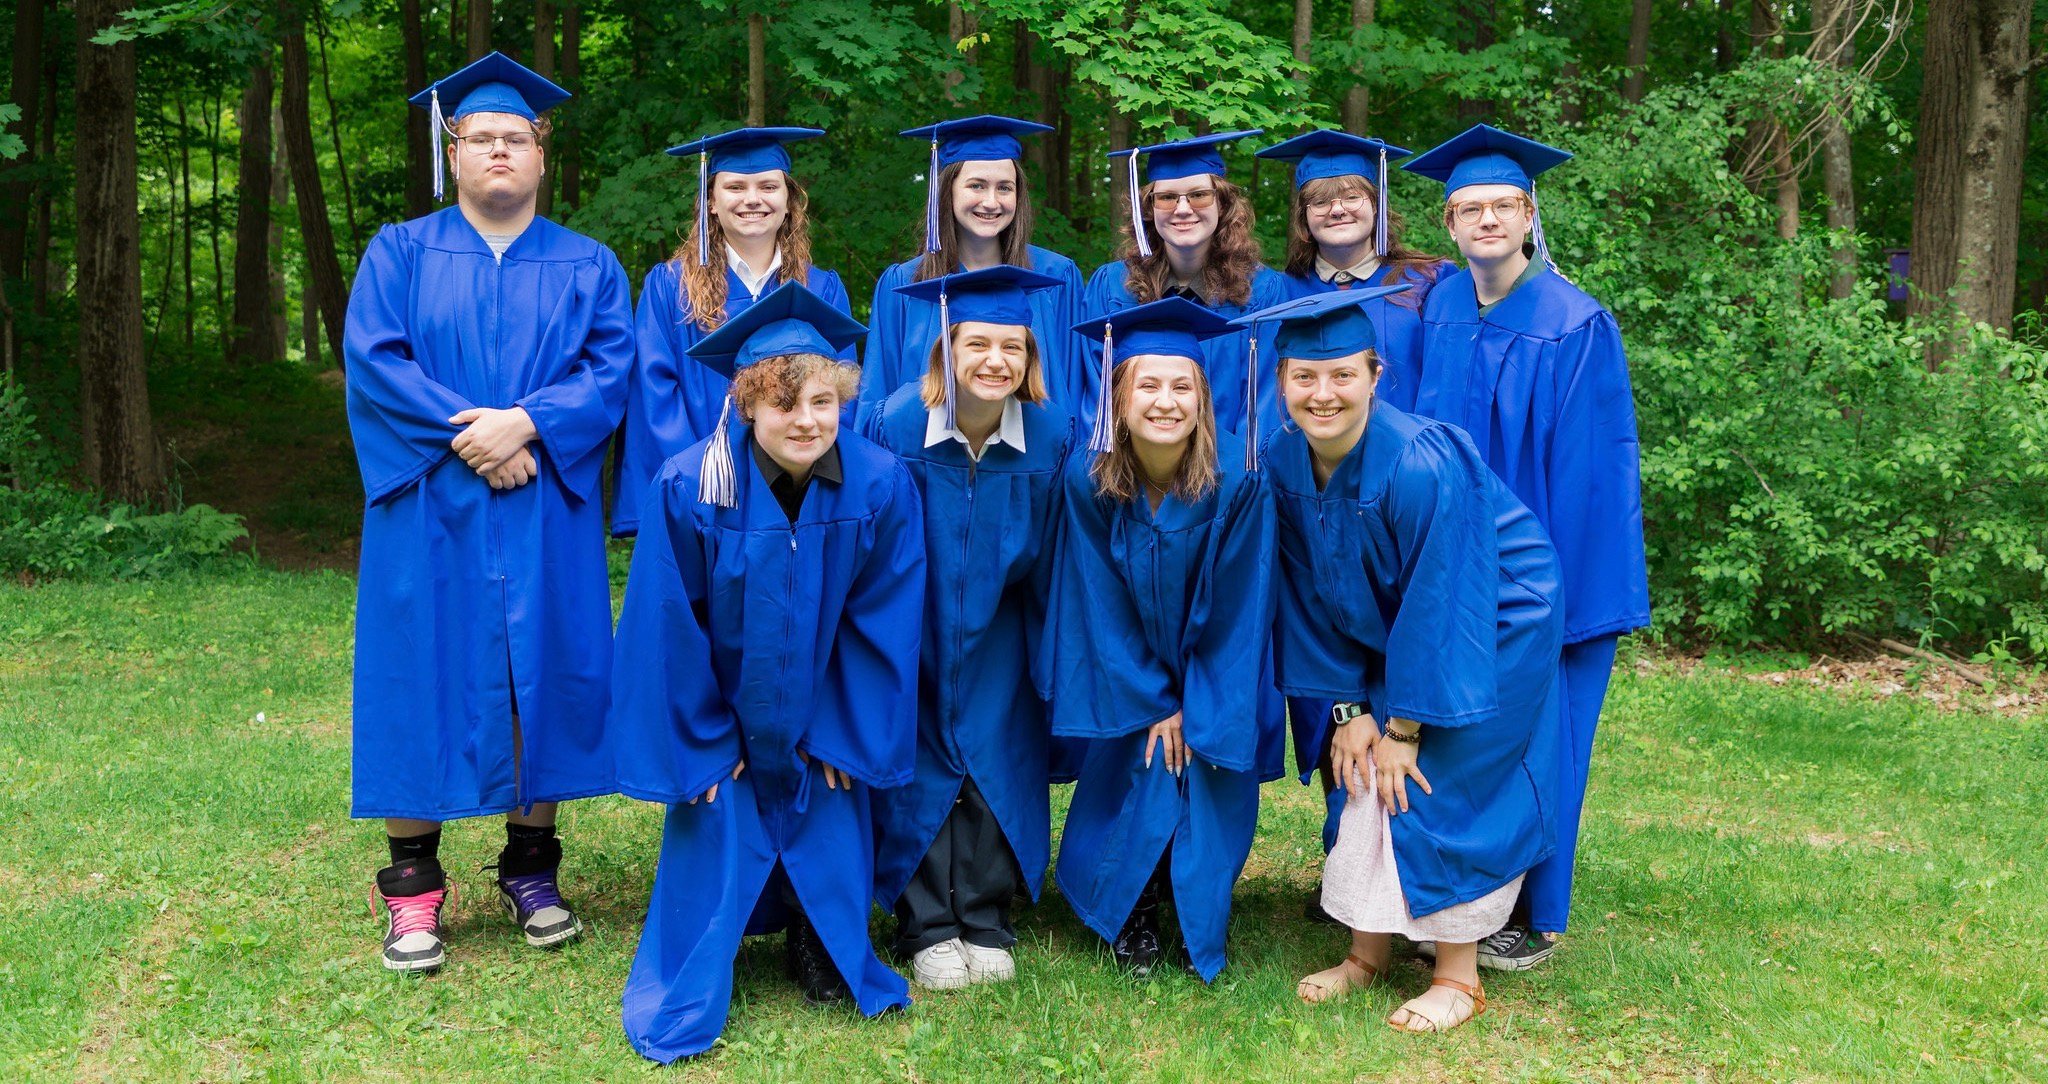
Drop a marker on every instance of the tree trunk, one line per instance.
(544, 63)
(479, 28)
(757, 69)
(309, 330)
(280, 194)
(120, 454)
(39, 253)
(1479, 17)
(185, 186)
(1357, 101)
(1836, 48)
(1638, 51)
(1770, 152)
(324, 287)
(1304, 34)
(251, 342)
(348, 197)
(1724, 36)
(24, 90)
(960, 25)
(567, 142)
(419, 136)
(220, 297)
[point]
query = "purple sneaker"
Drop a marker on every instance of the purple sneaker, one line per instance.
(536, 907)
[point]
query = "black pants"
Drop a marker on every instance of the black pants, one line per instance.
(963, 886)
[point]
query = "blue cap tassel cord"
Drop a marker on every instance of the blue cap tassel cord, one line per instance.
(1251, 403)
(716, 483)
(1536, 228)
(1099, 441)
(1379, 221)
(931, 199)
(946, 359)
(1137, 214)
(439, 124)
(703, 209)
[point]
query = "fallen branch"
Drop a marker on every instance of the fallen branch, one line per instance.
(1957, 665)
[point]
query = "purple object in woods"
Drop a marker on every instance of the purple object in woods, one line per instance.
(1898, 261)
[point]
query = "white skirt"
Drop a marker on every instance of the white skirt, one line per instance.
(1362, 887)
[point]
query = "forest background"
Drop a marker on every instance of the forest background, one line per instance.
(1808, 218)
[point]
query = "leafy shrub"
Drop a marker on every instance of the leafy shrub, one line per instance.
(50, 529)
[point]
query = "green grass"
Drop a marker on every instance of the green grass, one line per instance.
(1775, 884)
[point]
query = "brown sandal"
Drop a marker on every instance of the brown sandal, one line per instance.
(1474, 992)
(1341, 986)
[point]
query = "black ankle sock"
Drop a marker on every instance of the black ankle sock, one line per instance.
(413, 848)
(529, 849)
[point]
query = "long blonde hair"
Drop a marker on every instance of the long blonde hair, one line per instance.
(703, 297)
(1116, 471)
(932, 389)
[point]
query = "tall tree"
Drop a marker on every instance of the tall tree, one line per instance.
(1970, 147)
(120, 453)
(326, 293)
(251, 343)
(757, 69)
(348, 196)
(544, 63)
(1478, 17)
(23, 89)
(568, 144)
(479, 28)
(184, 139)
(1638, 51)
(1304, 34)
(419, 189)
(1835, 46)
(1357, 101)
(280, 195)
(960, 26)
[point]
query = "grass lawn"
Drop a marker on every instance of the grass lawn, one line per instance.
(1776, 883)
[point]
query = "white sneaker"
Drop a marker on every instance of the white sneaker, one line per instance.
(989, 964)
(941, 967)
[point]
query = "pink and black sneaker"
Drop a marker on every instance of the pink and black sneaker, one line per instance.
(414, 895)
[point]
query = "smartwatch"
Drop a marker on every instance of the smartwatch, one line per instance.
(1344, 712)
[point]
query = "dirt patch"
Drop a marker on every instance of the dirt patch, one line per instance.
(1879, 676)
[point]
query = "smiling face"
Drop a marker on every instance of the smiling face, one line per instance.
(1491, 235)
(750, 205)
(990, 360)
(797, 436)
(1339, 211)
(1175, 215)
(496, 158)
(1331, 400)
(1165, 402)
(985, 198)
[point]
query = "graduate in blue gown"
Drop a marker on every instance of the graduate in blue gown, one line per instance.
(750, 235)
(978, 214)
(1343, 234)
(986, 448)
(766, 679)
(481, 656)
(1161, 612)
(1187, 234)
(1417, 592)
(1532, 368)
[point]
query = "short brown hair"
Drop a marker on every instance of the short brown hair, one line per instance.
(778, 381)
(1032, 390)
(1400, 259)
(1116, 471)
(541, 128)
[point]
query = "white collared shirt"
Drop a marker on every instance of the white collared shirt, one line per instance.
(747, 277)
(1360, 272)
(1009, 431)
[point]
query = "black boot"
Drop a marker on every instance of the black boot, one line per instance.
(811, 965)
(1137, 947)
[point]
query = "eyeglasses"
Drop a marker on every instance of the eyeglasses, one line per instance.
(1351, 204)
(1199, 199)
(1505, 209)
(516, 143)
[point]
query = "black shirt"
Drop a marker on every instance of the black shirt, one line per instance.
(789, 493)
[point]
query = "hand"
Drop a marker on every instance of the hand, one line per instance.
(517, 471)
(834, 778)
(711, 795)
(1349, 746)
(1166, 737)
(492, 436)
(1397, 760)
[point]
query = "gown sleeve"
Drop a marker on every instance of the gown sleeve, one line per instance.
(866, 722)
(672, 732)
(1105, 294)
(1039, 597)
(833, 290)
(656, 416)
(1061, 349)
(884, 345)
(1269, 288)
(1105, 680)
(576, 415)
(1226, 668)
(1596, 488)
(1440, 667)
(397, 414)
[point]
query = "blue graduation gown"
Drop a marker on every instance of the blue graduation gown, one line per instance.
(475, 602)
(675, 399)
(1155, 613)
(1416, 583)
(1541, 385)
(988, 534)
(1396, 324)
(1224, 357)
(901, 331)
(744, 638)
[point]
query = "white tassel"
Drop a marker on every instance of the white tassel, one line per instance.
(931, 198)
(1251, 405)
(1379, 223)
(716, 483)
(946, 359)
(1099, 441)
(1137, 215)
(439, 124)
(1536, 228)
(703, 214)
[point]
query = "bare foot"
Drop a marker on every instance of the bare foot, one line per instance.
(1445, 1005)
(1337, 981)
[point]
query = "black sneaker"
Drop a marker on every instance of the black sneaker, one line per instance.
(1137, 947)
(415, 894)
(1515, 948)
(812, 967)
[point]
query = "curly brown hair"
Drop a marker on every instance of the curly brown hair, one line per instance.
(778, 381)
(1233, 253)
(1116, 471)
(1015, 238)
(1401, 260)
(703, 297)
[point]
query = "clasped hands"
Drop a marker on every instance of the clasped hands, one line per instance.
(1352, 743)
(493, 444)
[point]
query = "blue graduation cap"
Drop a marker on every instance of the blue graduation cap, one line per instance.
(992, 295)
(1328, 152)
(790, 320)
(1171, 162)
(1172, 326)
(1322, 326)
(986, 138)
(742, 151)
(1483, 154)
(492, 84)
